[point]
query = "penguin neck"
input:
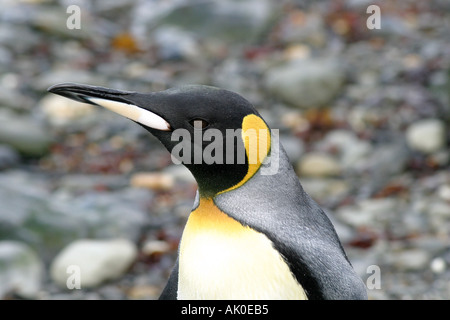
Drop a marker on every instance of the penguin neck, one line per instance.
(214, 178)
(207, 216)
(228, 175)
(263, 189)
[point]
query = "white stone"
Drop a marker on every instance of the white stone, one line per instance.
(426, 136)
(153, 180)
(96, 260)
(444, 192)
(61, 111)
(318, 165)
(379, 207)
(155, 246)
(438, 265)
(369, 212)
(439, 209)
(21, 270)
(355, 217)
(325, 189)
(179, 172)
(411, 259)
(353, 152)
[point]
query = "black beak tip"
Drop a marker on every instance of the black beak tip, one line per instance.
(82, 92)
(61, 87)
(74, 91)
(70, 90)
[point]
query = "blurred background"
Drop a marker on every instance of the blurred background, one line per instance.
(364, 115)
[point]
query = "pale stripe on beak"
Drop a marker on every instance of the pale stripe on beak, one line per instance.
(135, 113)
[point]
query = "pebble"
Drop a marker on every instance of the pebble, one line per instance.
(21, 270)
(426, 136)
(180, 173)
(153, 180)
(410, 259)
(79, 183)
(96, 261)
(8, 157)
(227, 20)
(62, 112)
(439, 216)
(387, 160)
(312, 32)
(369, 212)
(438, 265)
(25, 135)
(444, 192)
(155, 246)
(353, 216)
(318, 165)
(440, 209)
(293, 146)
(353, 152)
(326, 191)
(175, 44)
(144, 292)
(11, 96)
(305, 83)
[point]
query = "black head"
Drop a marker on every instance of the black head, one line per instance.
(200, 125)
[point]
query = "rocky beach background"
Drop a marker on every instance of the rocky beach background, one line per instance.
(364, 115)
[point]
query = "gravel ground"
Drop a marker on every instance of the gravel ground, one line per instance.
(364, 115)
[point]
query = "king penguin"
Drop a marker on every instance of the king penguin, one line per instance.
(253, 232)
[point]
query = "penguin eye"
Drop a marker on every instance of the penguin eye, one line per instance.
(199, 123)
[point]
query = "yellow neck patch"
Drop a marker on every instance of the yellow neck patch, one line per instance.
(256, 138)
(220, 258)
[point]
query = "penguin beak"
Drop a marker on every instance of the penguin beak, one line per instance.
(121, 102)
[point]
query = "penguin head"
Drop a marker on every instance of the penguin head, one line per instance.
(217, 134)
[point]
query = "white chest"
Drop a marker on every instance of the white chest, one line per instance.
(221, 259)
